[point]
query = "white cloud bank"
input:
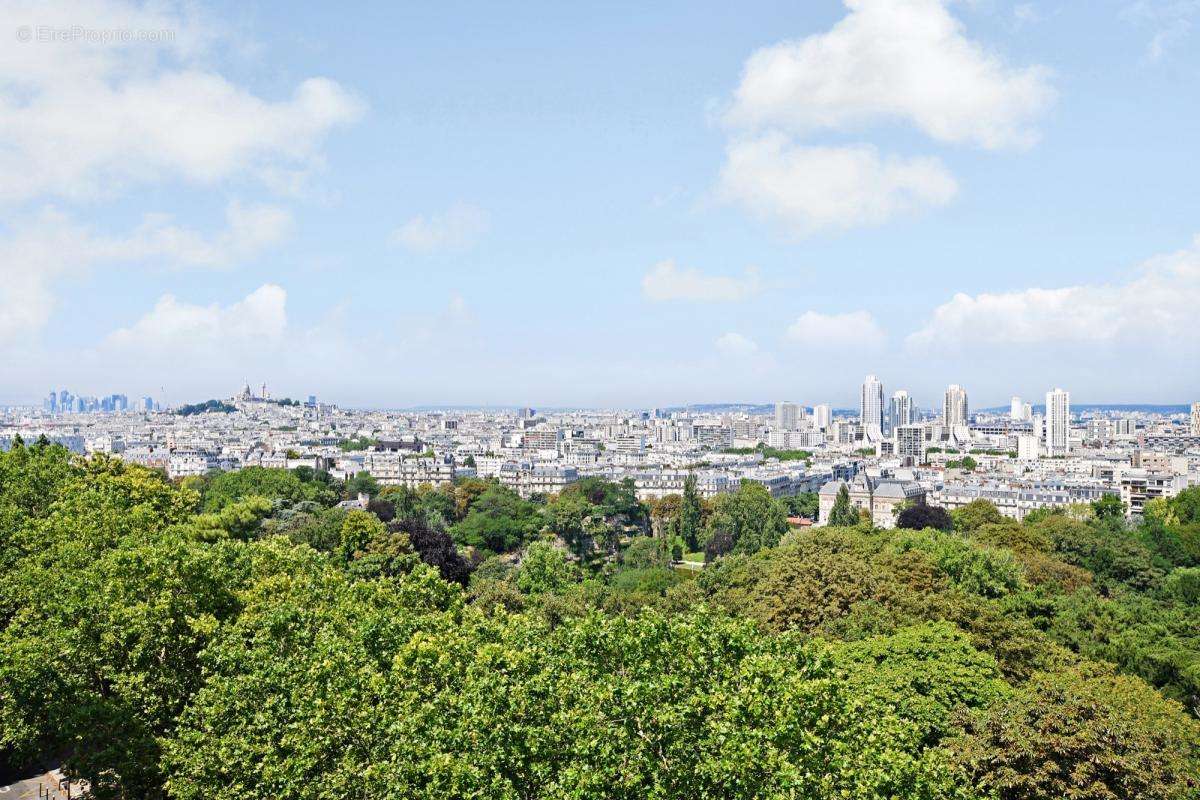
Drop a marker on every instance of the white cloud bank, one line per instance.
(735, 345)
(50, 247)
(830, 188)
(666, 282)
(257, 321)
(82, 119)
(886, 61)
(459, 228)
(853, 330)
(1158, 306)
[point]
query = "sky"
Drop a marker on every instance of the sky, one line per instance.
(618, 204)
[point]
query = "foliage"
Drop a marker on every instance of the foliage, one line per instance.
(843, 514)
(208, 406)
(691, 515)
(356, 443)
(1071, 735)
(498, 521)
(920, 516)
(226, 488)
(544, 568)
(748, 520)
(975, 515)
(806, 505)
(926, 673)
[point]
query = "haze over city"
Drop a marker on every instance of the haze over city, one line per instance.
(562, 205)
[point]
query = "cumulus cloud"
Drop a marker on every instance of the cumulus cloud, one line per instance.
(1157, 305)
(182, 329)
(666, 281)
(903, 60)
(886, 61)
(83, 119)
(735, 345)
(49, 247)
(456, 229)
(853, 330)
(814, 188)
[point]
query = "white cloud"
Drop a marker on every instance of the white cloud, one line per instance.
(815, 188)
(1170, 22)
(184, 330)
(853, 330)
(886, 61)
(1156, 307)
(84, 119)
(456, 229)
(735, 345)
(893, 60)
(47, 248)
(666, 281)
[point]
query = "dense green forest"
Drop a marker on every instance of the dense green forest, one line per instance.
(242, 636)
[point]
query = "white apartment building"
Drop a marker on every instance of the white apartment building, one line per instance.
(1058, 422)
(1140, 486)
(787, 416)
(870, 408)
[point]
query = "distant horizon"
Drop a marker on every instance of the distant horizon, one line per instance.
(1182, 407)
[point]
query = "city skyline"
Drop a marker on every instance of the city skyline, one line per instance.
(713, 216)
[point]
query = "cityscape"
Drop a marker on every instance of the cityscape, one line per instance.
(686, 400)
(888, 451)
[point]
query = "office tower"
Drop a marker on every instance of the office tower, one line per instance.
(787, 416)
(954, 409)
(910, 441)
(900, 411)
(1195, 419)
(51, 402)
(1058, 422)
(822, 416)
(1017, 410)
(870, 407)
(147, 404)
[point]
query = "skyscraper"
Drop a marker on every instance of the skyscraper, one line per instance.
(1017, 411)
(1058, 422)
(787, 416)
(900, 411)
(870, 407)
(1196, 419)
(954, 409)
(822, 416)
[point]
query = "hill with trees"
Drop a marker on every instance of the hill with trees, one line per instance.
(243, 636)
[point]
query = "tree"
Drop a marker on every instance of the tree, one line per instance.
(1072, 735)
(361, 483)
(544, 569)
(225, 488)
(1109, 507)
(805, 504)
(690, 514)
(645, 552)
(358, 529)
(436, 548)
(974, 515)
(926, 672)
(843, 515)
(921, 515)
(750, 517)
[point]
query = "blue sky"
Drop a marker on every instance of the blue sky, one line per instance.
(614, 204)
